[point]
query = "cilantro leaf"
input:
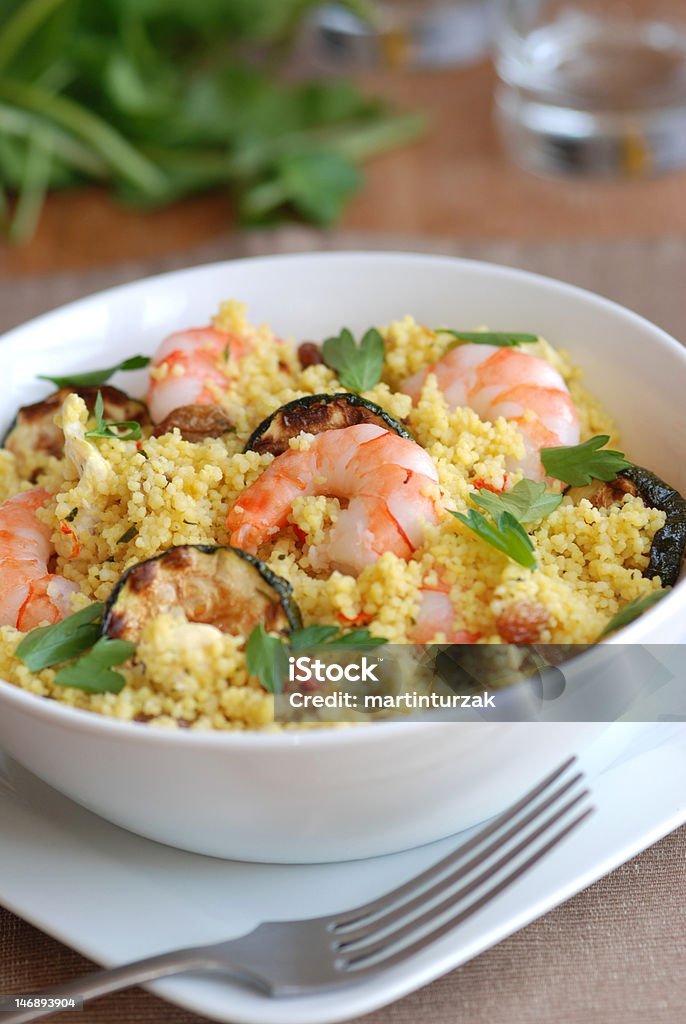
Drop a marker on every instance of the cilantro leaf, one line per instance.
(528, 501)
(124, 430)
(506, 535)
(312, 636)
(358, 366)
(502, 340)
(317, 636)
(361, 637)
(579, 464)
(267, 658)
(93, 378)
(632, 611)
(49, 645)
(93, 671)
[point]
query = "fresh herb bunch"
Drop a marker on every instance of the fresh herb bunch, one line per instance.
(163, 98)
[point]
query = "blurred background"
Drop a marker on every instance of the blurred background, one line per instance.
(137, 135)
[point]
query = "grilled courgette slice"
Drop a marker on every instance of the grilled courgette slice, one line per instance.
(313, 415)
(34, 428)
(222, 586)
(669, 543)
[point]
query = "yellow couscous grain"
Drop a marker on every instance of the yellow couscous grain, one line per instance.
(126, 501)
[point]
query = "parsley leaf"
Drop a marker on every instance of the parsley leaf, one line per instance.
(502, 340)
(124, 430)
(317, 636)
(507, 535)
(49, 645)
(358, 366)
(361, 637)
(579, 464)
(267, 658)
(93, 671)
(528, 501)
(631, 611)
(93, 378)
(318, 183)
(312, 636)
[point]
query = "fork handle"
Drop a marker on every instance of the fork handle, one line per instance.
(101, 983)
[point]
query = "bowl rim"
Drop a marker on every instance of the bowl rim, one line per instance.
(87, 721)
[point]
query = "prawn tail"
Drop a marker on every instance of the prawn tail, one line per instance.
(47, 602)
(437, 617)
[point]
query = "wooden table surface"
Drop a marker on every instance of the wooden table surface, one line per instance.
(454, 183)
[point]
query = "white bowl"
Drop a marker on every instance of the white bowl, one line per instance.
(347, 793)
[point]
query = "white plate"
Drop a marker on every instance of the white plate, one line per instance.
(114, 896)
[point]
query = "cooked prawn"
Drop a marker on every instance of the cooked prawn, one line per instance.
(30, 594)
(437, 616)
(521, 387)
(390, 485)
(190, 366)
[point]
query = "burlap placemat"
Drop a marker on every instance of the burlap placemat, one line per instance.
(614, 954)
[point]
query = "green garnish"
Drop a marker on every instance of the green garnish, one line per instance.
(129, 535)
(267, 655)
(93, 672)
(50, 645)
(579, 464)
(125, 430)
(312, 636)
(162, 99)
(631, 611)
(93, 378)
(528, 501)
(359, 637)
(358, 366)
(499, 338)
(72, 516)
(267, 658)
(316, 636)
(505, 534)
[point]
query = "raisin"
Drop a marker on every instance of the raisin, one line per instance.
(522, 622)
(309, 354)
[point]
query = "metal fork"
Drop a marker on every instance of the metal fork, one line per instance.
(290, 958)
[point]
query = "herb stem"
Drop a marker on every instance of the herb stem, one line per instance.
(26, 19)
(37, 162)
(105, 140)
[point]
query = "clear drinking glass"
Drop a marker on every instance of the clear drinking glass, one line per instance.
(593, 86)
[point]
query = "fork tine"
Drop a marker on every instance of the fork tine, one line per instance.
(431, 874)
(359, 965)
(362, 948)
(402, 909)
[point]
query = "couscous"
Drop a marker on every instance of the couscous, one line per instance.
(422, 486)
